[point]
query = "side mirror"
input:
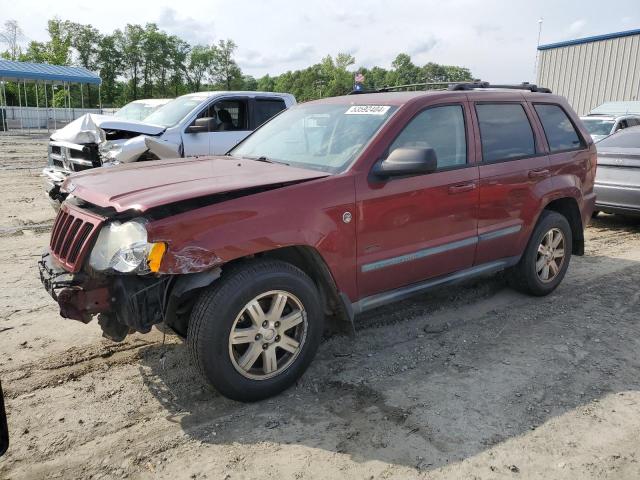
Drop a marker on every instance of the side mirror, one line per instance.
(202, 125)
(4, 429)
(407, 161)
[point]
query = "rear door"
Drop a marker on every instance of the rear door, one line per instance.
(512, 165)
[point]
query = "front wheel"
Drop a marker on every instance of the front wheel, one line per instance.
(255, 331)
(545, 261)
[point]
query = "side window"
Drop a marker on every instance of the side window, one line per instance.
(226, 115)
(505, 131)
(267, 108)
(560, 132)
(622, 125)
(440, 128)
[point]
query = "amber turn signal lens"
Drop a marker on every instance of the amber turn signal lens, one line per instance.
(155, 256)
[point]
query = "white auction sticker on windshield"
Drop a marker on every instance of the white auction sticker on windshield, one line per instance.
(367, 110)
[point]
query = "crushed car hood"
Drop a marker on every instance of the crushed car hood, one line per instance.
(145, 185)
(87, 129)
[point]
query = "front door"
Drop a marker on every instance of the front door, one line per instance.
(414, 228)
(229, 124)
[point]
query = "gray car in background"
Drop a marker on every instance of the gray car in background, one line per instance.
(618, 175)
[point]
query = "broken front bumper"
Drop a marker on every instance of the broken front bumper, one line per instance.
(52, 179)
(77, 296)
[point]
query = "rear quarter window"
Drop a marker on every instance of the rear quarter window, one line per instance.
(505, 132)
(558, 128)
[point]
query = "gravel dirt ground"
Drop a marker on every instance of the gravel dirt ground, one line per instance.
(475, 381)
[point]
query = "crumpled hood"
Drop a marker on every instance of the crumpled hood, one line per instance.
(89, 129)
(146, 185)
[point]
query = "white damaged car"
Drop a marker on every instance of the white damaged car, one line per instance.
(197, 124)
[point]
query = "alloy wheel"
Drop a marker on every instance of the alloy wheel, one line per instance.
(551, 255)
(268, 335)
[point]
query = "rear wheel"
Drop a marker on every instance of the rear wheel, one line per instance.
(254, 333)
(545, 261)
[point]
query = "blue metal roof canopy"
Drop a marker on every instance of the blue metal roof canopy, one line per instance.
(43, 72)
(595, 38)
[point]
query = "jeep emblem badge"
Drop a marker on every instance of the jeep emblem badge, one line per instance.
(346, 217)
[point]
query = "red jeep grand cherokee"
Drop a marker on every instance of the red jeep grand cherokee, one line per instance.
(332, 208)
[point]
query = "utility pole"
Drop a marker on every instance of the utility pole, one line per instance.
(535, 65)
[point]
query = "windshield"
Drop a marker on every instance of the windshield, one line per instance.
(319, 136)
(598, 126)
(135, 111)
(170, 114)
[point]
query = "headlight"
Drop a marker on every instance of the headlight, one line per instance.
(123, 247)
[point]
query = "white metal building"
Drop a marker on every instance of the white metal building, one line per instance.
(591, 71)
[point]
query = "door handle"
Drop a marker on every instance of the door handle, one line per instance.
(463, 187)
(539, 173)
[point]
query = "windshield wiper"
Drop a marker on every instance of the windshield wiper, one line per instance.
(264, 159)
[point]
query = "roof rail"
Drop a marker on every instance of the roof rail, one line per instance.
(454, 86)
(409, 86)
(522, 86)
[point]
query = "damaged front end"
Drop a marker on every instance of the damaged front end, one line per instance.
(79, 296)
(93, 141)
(123, 304)
(104, 266)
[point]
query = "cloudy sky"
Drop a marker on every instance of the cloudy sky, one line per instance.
(495, 39)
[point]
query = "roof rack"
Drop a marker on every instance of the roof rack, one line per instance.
(478, 85)
(454, 86)
(409, 86)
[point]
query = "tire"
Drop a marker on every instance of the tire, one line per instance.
(526, 276)
(223, 308)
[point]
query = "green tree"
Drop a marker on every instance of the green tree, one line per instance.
(147, 61)
(249, 83)
(85, 40)
(266, 84)
(433, 72)
(36, 52)
(56, 51)
(59, 45)
(109, 64)
(178, 54)
(201, 58)
(224, 70)
(131, 44)
(404, 71)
